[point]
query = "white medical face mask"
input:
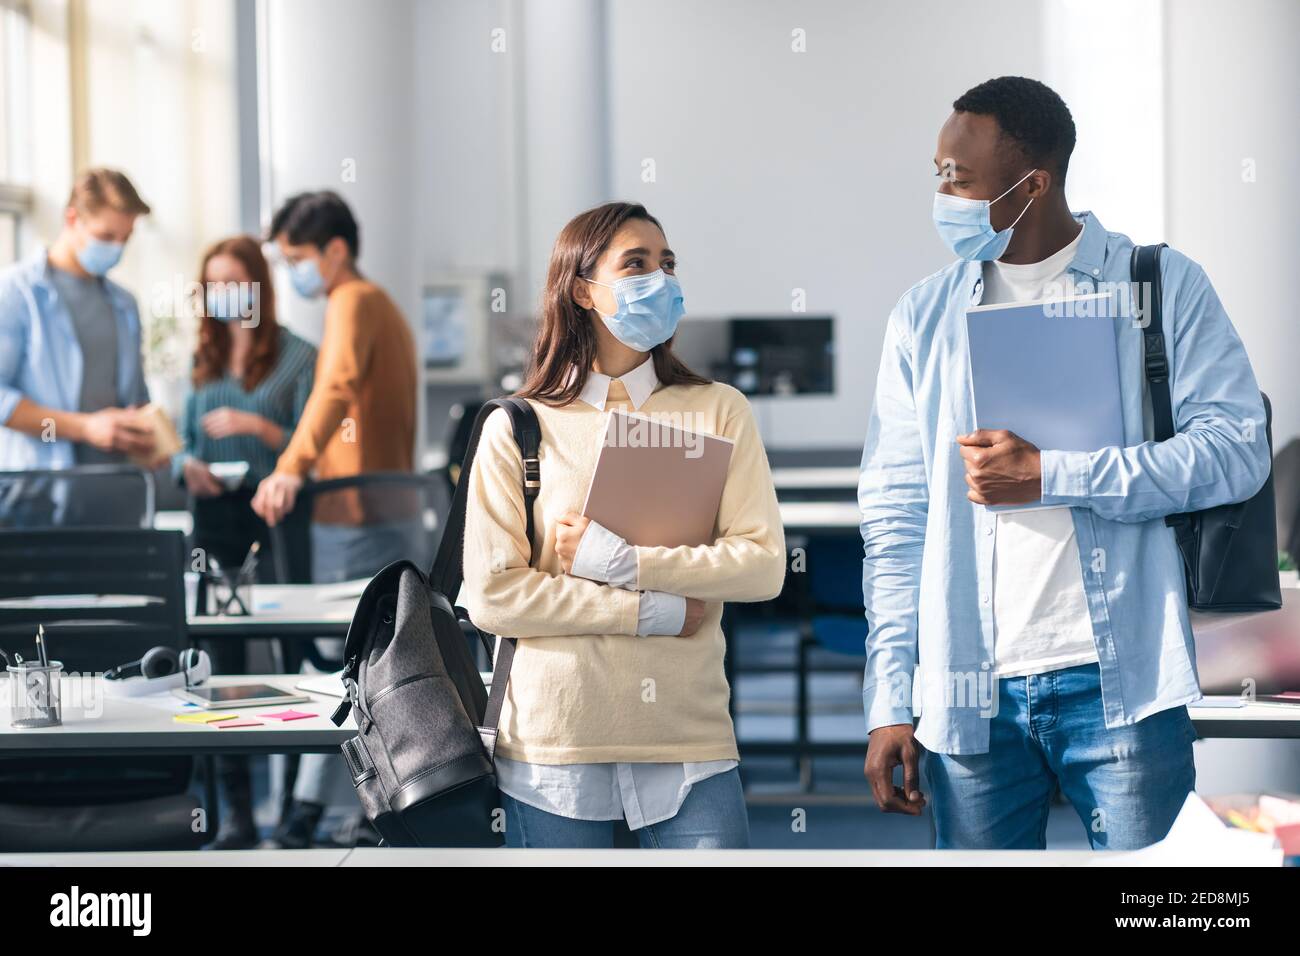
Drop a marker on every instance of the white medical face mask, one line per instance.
(649, 308)
(964, 224)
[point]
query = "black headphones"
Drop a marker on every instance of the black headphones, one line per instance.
(157, 662)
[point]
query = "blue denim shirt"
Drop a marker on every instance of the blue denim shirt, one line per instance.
(928, 550)
(41, 360)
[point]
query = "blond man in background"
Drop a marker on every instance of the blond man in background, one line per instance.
(70, 359)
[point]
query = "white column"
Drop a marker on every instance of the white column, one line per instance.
(564, 132)
(339, 95)
(1106, 60)
(1233, 81)
(1233, 72)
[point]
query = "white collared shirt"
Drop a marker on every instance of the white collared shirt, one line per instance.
(641, 793)
(640, 383)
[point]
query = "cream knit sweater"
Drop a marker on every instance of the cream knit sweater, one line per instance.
(584, 688)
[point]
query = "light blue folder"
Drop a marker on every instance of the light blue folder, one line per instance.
(1048, 371)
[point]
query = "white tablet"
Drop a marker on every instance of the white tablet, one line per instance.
(239, 695)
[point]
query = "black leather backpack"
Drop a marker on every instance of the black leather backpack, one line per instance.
(1230, 551)
(422, 760)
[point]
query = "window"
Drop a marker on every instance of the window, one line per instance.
(15, 196)
(8, 237)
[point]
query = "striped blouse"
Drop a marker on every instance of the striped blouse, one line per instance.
(279, 397)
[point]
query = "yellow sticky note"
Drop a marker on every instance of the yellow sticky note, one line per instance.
(203, 717)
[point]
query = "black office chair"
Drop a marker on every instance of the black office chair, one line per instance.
(823, 605)
(88, 496)
(401, 513)
(834, 631)
(145, 567)
(404, 509)
(460, 424)
(94, 802)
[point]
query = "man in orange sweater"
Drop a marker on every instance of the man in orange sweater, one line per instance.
(361, 414)
(359, 418)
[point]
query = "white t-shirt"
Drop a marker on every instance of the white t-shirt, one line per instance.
(1040, 611)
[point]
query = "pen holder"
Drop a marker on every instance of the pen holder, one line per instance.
(34, 694)
(229, 594)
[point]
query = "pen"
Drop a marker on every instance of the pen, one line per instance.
(40, 645)
(250, 561)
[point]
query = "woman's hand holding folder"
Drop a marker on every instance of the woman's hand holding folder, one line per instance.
(568, 533)
(569, 529)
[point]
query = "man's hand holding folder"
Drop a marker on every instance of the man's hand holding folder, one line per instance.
(1001, 467)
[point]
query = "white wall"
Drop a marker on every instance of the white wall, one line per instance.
(775, 170)
(520, 148)
(1233, 79)
(465, 189)
(1106, 60)
(779, 171)
(1234, 83)
(340, 90)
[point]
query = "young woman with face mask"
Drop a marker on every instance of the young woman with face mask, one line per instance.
(617, 713)
(251, 378)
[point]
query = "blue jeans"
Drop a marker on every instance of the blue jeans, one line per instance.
(1126, 784)
(712, 817)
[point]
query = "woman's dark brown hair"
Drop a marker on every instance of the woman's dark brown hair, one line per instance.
(565, 338)
(213, 352)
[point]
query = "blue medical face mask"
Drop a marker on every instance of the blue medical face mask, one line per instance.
(229, 304)
(964, 225)
(306, 278)
(649, 308)
(98, 256)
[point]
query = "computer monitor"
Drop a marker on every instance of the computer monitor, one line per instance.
(782, 356)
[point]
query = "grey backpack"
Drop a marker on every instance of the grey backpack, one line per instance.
(422, 758)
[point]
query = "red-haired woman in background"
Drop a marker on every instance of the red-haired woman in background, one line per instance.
(251, 378)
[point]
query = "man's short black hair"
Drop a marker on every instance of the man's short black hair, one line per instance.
(1030, 114)
(316, 218)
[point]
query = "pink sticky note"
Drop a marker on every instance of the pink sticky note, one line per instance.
(227, 724)
(287, 715)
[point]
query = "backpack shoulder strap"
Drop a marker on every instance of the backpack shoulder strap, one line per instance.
(448, 566)
(1148, 293)
(1144, 269)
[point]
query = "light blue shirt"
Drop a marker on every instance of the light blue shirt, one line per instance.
(41, 360)
(928, 550)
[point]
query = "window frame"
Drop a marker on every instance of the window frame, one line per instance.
(15, 194)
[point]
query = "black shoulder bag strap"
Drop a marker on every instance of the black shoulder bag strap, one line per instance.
(448, 566)
(1148, 294)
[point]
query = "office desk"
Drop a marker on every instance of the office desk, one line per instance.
(1267, 721)
(825, 477)
(801, 518)
(144, 726)
(1229, 647)
(286, 610)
